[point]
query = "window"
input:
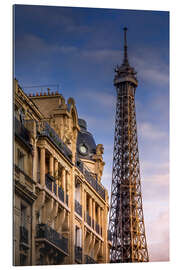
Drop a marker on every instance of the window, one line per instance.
(20, 160)
(77, 191)
(21, 115)
(23, 215)
(77, 236)
(23, 260)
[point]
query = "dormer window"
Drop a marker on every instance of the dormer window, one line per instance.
(20, 160)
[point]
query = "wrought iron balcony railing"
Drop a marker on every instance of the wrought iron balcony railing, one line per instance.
(91, 179)
(78, 253)
(89, 260)
(55, 189)
(23, 235)
(44, 129)
(52, 186)
(44, 232)
(78, 208)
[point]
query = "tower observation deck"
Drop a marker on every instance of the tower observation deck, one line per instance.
(126, 221)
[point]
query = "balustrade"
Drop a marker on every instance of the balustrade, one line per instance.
(91, 179)
(44, 129)
(43, 231)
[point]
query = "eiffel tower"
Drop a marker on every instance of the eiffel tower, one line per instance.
(126, 221)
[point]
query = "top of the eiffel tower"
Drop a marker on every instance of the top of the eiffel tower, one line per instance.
(125, 72)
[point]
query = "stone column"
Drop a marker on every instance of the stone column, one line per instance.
(98, 213)
(90, 208)
(67, 174)
(67, 181)
(51, 169)
(42, 166)
(102, 220)
(94, 213)
(51, 165)
(64, 182)
(35, 161)
(85, 205)
(83, 210)
(56, 174)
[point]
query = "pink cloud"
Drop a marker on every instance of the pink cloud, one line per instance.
(159, 232)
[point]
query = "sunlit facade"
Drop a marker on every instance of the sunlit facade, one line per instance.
(60, 205)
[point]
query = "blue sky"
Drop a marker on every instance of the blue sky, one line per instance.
(78, 48)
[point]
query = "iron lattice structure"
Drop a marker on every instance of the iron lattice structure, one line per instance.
(126, 221)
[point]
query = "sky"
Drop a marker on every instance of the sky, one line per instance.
(77, 49)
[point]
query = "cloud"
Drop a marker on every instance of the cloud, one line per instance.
(151, 66)
(151, 132)
(36, 44)
(159, 232)
(99, 98)
(102, 55)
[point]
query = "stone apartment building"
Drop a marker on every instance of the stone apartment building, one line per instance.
(60, 206)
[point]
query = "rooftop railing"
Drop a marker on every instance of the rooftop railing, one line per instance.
(91, 179)
(43, 231)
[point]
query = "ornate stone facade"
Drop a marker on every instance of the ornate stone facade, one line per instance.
(60, 205)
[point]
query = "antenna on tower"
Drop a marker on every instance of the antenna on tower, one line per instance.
(125, 47)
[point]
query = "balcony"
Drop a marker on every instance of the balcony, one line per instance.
(89, 260)
(78, 208)
(91, 179)
(22, 133)
(55, 189)
(44, 129)
(78, 254)
(52, 186)
(46, 233)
